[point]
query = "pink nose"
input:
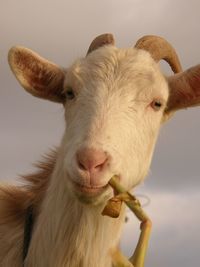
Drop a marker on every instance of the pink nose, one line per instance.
(91, 160)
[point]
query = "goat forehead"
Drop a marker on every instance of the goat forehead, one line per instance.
(112, 61)
(111, 69)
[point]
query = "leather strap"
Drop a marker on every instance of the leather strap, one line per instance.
(28, 227)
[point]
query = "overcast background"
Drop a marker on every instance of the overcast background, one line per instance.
(61, 31)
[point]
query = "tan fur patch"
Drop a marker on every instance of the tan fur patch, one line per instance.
(14, 201)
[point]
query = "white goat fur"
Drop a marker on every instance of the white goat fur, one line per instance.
(114, 89)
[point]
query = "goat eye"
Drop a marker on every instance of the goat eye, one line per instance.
(70, 93)
(156, 105)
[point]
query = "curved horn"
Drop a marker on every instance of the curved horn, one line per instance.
(101, 40)
(159, 49)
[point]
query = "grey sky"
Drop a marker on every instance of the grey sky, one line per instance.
(61, 31)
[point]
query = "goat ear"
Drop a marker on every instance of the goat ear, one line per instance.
(184, 90)
(37, 75)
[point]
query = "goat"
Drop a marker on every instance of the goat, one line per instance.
(115, 101)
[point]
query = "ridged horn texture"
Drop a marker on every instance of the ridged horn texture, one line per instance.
(101, 40)
(159, 49)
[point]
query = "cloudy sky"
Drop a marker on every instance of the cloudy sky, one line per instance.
(61, 31)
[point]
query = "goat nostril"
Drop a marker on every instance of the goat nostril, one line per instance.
(81, 166)
(100, 166)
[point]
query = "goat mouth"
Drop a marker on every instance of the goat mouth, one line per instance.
(90, 190)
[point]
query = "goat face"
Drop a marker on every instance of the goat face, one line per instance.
(115, 100)
(113, 110)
